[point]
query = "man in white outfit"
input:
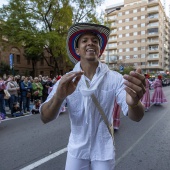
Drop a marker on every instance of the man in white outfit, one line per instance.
(90, 143)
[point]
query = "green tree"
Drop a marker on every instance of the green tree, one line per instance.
(44, 24)
(127, 70)
(4, 69)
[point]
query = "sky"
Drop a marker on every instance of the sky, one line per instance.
(107, 3)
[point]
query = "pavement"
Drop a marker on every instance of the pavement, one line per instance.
(8, 112)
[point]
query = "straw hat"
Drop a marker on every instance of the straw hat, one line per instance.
(76, 30)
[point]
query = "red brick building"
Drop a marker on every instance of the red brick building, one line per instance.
(23, 66)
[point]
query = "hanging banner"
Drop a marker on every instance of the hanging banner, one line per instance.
(11, 60)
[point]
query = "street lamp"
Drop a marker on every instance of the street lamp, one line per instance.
(107, 13)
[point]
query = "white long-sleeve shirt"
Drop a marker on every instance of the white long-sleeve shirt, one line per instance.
(90, 138)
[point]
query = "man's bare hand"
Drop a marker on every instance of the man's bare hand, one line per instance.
(135, 87)
(68, 84)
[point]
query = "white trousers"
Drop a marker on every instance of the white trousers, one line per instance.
(83, 164)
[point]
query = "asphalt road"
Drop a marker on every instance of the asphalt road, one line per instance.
(26, 143)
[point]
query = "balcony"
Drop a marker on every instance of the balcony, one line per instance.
(113, 32)
(167, 50)
(167, 62)
(152, 25)
(153, 34)
(153, 67)
(153, 19)
(166, 37)
(111, 59)
(152, 3)
(112, 40)
(153, 42)
(167, 25)
(153, 58)
(166, 56)
(153, 10)
(153, 49)
(113, 25)
(112, 47)
(112, 18)
(166, 31)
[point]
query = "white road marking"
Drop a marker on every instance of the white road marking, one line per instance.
(130, 149)
(43, 160)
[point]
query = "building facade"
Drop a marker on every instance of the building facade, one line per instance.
(23, 66)
(140, 36)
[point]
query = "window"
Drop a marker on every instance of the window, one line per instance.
(135, 18)
(135, 56)
(127, 57)
(143, 17)
(127, 35)
(28, 61)
(42, 73)
(135, 10)
(114, 44)
(135, 48)
(120, 28)
(127, 27)
(142, 9)
(120, 57)
(143, 25)
(142, 32)
(135, 26)
(127, 49)
(120, 21)
(41, 61)
(127, 20)
(120, 36)
(120, 14)
(135, 41)
(142, 40)
(120, 50)
(142, 48)
(127, 12)
(135, 64)
(120, 43)
(153, 56)
(127, 42)
(142, 55)
(18, 59)
(135, 33)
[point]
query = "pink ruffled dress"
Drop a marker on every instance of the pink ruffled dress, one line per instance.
(146, 97)
(116, 116)
(158, 95)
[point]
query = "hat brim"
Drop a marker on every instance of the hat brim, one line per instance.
(77, 30)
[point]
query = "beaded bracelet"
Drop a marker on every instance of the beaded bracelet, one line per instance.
(134, 105)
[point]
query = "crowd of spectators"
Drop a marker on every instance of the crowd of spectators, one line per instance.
(17, 92)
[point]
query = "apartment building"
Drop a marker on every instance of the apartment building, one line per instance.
(140, 36)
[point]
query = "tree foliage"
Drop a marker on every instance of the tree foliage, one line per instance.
(4, 69)
(41, 26)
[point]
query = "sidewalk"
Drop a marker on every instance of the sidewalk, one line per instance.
(8, 112)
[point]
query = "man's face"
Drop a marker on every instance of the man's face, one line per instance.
(88, 47)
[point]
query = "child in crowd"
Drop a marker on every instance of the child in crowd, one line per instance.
(35, 109)
(16, 110)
